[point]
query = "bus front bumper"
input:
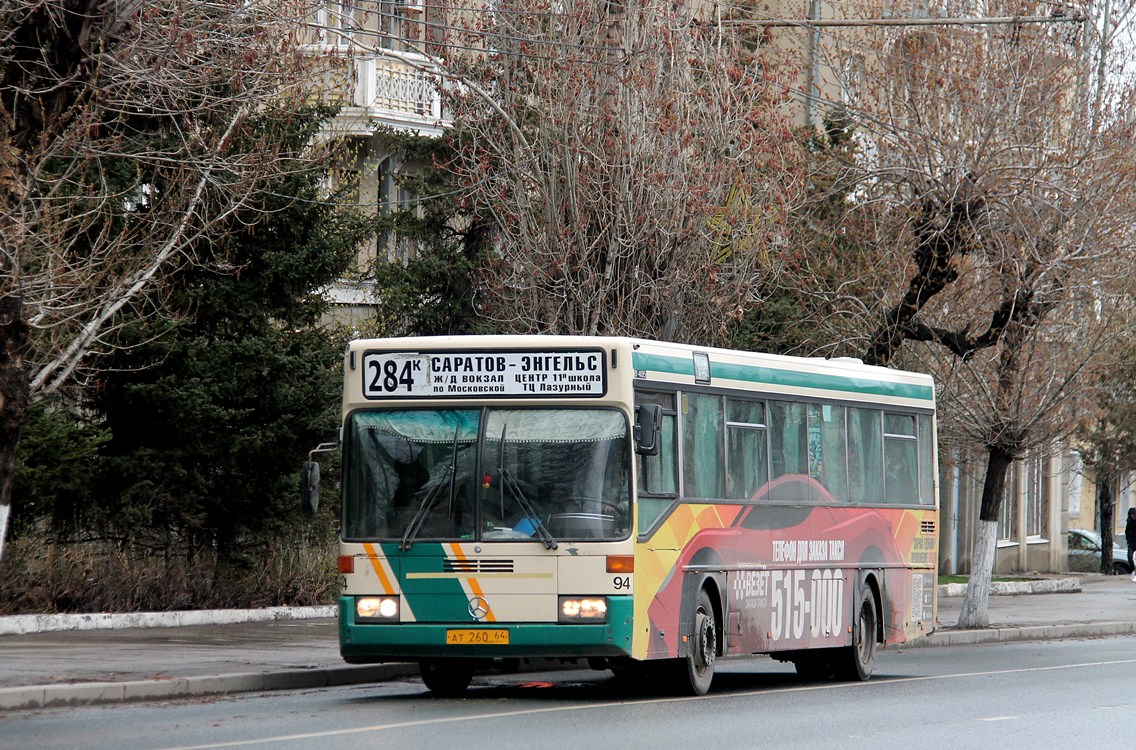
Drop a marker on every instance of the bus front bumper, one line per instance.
(361, 643)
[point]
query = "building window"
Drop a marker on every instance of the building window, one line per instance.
(339, 19)
(400, 25)
(851, 79)
(392, 198)
(1008, 521)
(1037, 500)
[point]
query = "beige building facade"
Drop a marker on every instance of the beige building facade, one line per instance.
(1047, 494)
(379, 62)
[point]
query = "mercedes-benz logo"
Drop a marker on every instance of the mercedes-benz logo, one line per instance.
(478, 608)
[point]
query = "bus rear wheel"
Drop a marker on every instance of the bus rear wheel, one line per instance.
(446, 677)
(856, 662)
(696, 670)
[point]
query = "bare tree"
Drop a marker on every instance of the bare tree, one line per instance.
(996, 168)
(129, 132)
(1106, 434)
(634, 162)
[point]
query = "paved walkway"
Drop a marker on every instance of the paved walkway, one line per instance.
(1046, 609)
(107, 664)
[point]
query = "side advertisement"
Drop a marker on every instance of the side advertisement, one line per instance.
(790, 573)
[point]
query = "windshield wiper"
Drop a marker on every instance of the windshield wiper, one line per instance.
(507, 482)
(431, 499)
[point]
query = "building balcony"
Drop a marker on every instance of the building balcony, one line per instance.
(396, 89)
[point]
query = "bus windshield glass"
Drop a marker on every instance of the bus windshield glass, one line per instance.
(492, 474)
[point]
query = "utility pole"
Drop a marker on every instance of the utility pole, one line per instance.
(812, 85)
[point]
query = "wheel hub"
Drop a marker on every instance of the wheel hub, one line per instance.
(706, 652)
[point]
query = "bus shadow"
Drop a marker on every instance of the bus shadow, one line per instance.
(597, 687)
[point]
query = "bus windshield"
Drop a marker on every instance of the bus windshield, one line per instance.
(492, 474)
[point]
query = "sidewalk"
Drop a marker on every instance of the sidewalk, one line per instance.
(75, 667)
(1094, 605)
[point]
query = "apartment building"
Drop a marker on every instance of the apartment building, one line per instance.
(379, 63)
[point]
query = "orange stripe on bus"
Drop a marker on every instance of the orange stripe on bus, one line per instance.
(474, 588)
(377, 564)
(908, 526)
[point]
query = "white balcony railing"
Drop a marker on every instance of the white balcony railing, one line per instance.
(398, 89)
(394, 85)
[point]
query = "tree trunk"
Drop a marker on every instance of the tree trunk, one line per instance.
(13, 398)
(1105, 503)
(975, 606)
(11, 432)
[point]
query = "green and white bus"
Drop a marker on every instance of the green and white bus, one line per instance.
(631, 504)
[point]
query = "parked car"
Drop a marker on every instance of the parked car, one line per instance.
(1085, 553)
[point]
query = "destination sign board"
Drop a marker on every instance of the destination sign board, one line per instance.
(484, 373)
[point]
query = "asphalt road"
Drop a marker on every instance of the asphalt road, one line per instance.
(1047, 694)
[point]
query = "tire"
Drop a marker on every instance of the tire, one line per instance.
(855, 663)
(1120, 568)
(446, 677)
(696, 670)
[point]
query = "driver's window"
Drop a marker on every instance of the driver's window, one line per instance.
(561, 469)
(658, 474)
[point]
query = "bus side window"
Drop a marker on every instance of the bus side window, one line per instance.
(658, 474)
(788, 450)
(926, 461)
(747, 455)
(865, 456)
(900, 459)
(828, 461)
(703, 446)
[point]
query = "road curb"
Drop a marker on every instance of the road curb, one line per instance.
(969, 637)
(27, 624)
(1017, 588)
(88, 693)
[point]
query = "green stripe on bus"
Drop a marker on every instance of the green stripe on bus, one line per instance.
(776, 377)
(430, 599)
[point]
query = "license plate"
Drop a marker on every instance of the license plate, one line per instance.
(478, 637)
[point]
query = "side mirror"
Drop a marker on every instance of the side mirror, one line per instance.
(309, 487)
(310, 479)
(648, 420)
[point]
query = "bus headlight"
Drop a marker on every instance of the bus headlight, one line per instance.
(583, 609)
(383, 608)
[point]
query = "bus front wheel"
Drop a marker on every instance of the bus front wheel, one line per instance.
(696, 670)
(856, 662)
(446, 677)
